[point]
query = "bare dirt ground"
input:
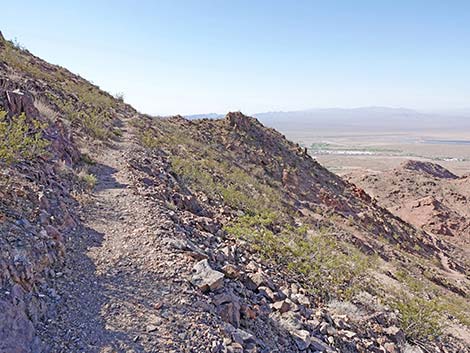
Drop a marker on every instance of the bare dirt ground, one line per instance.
(119, 292)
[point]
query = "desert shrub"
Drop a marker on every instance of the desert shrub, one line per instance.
(94, 125)
(148, 140)
(117, 132)
(192, 173)
(445, 303)
(85, 158)
(341, 307)
(233, 185)
(92, 121)
(46, 110)
(88, 179)
(419, 318)
(20, 139)
(328, 267)
(119, 96)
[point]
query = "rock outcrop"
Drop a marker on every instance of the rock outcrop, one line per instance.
(431, 169)
(140, 234)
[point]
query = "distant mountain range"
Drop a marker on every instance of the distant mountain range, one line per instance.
(363, 118)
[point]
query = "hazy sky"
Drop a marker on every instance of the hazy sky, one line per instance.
(200, 56)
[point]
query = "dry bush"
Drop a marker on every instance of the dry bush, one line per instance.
(45, 110)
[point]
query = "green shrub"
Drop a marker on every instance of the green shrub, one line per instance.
(93, 124)
(117, 132)
(89, 180)
(119, 96)
(148, 140)
(329, 268)
(20, 139)
(419, 286)
(85, 158)
(419, 318)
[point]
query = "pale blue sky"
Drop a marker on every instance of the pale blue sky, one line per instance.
(201, 56)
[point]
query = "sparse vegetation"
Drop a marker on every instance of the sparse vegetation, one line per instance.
(119, 96)
(211, 171)
(93, 123)
(419, 318)
(20, 139)
(424, 307)
(83, 103)
(89, 180)
(45, 110)
(117, 132)
(231, 184)
(148, 140)
(329, 268)
(85, 158)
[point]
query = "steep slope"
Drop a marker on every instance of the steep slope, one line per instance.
(290, 205)
(126, 233)
(46, 113)
(426, 195)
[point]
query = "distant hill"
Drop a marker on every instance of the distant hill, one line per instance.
(364, 118)
(355, 119)
(125, 232)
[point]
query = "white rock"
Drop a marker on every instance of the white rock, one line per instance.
(205, 278)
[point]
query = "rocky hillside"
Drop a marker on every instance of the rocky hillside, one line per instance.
(426, 195)
(127, 233)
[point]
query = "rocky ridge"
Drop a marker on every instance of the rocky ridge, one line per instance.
(426, 195)
(146, 260)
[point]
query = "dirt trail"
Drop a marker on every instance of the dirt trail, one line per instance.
(118, 294)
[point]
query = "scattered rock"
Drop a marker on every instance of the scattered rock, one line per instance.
(231, 271)
(281, 306)
(302, 339)
(205, 278)
(242, 337)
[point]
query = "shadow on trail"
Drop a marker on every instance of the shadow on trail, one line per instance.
(106, 179)
(79, 323)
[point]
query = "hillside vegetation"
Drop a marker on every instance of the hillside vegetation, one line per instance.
(122, 232)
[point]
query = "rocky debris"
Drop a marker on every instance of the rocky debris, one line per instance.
(189, 247)
(36, 213)
(17, 101)
(144, 264)
(282, 306)
(17, 332)
(302, 339)
(231, 271)
(205, 278)
(272, 295)
(395, 334)
(254, 280)
(228, 307)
